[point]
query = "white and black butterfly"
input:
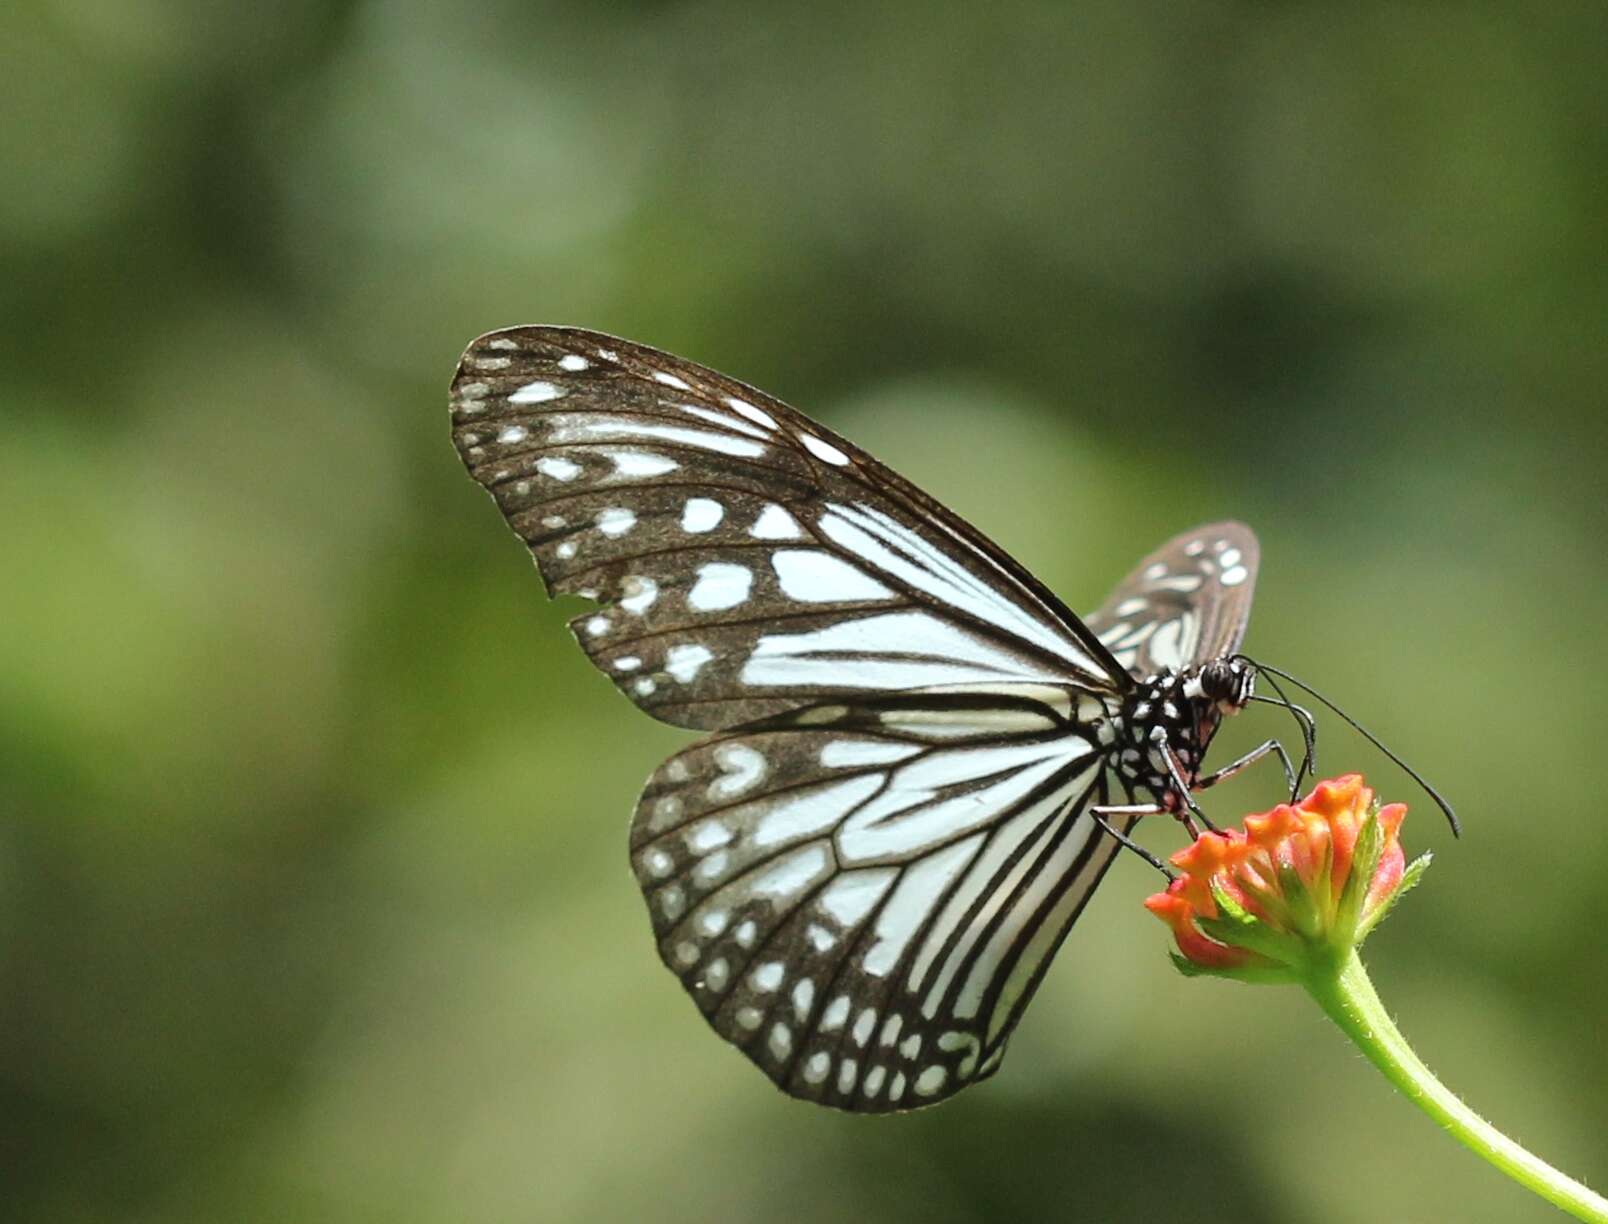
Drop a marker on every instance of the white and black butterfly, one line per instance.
(862, 874)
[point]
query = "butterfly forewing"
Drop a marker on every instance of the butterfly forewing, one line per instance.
(863, 900)
(1186, 603)
(747, 560)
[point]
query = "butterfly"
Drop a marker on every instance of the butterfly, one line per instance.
(916, 750)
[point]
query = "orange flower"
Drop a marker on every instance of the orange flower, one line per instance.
(1301, 882)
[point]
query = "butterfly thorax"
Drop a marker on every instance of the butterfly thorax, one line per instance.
(1176, 712)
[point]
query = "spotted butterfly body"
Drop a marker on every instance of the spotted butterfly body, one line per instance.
(861, 875)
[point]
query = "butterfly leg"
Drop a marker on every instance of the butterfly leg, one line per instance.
(1122, 839)
(1250, 758)
(1180, 787)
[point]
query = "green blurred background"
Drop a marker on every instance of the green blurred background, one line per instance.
(314, 902)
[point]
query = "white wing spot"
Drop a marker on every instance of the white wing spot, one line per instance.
(615, 427)
(712, 922)
(637, 463)
(803, 998)
(502, 342)
(837, 1011)
(658, 863)
(821, 939)
(873, 1080)
(910, 1046)
(707, 836)
(713, 867)
(897, 1088)
(1129, 606)
(558, 467)
(687, 952)
(746, 933)
(823, 450)
(609, 355)
(774, 523)
(815, 1070)
(742, 766)
(821, 715)
(890, 1030)
(749, 1017)
(537, 393)
(818, 577)
(512, 434)
(1182, 582)
(847, 1070)
(1194, 548)
(573, 363)
(552, 521)
(685, 661)
(615, 521)
(701, 514)
(781, 1040)
(491, 363)
(627, 663)
(639, 594)
(721, 419)
(756, 415)
(717, 974)
(597, 626)
(863, 1025)
(1234, 575)
(671, 901)
(1155, 570)
(931, 1080)
(1230, 558)
(670, 380)
(720, 585)
(768, 976)
(644, 687)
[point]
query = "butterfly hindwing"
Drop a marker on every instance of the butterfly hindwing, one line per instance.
(747, 559)
(863, 901)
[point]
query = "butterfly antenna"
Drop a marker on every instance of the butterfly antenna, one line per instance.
(1309, 730)
(1440, 800)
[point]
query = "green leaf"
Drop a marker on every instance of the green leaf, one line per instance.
(1364, 862)
(1257, 975)
(1409, 879)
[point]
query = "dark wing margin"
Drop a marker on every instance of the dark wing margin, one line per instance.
(747, 559)
(1186, 603)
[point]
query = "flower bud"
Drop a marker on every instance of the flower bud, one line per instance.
(1301, 884)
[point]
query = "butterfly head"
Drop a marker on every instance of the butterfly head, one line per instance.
(1226, 685)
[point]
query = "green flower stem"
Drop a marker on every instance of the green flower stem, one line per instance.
(1347, 996)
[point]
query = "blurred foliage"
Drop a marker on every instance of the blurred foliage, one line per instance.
(313, 896)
